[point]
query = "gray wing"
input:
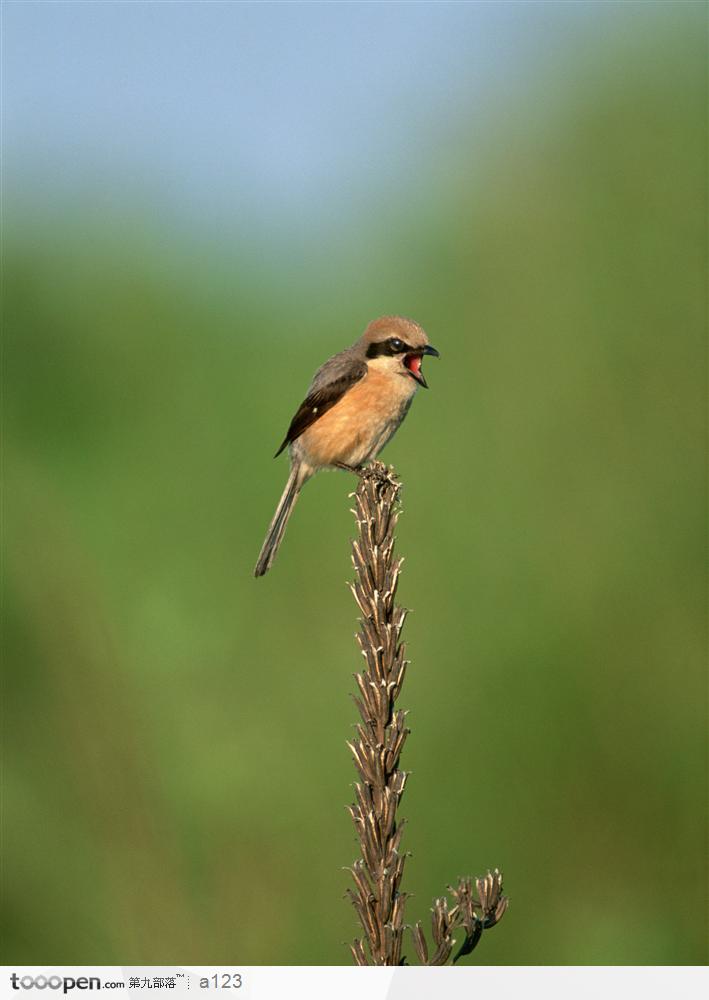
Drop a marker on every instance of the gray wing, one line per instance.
(330, 383)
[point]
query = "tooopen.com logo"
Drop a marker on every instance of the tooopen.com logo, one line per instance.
(63, 983)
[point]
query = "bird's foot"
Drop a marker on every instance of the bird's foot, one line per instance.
(357, 469)
(379, 473)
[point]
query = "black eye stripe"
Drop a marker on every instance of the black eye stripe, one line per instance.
(388, 348)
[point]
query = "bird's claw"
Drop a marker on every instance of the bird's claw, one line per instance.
(378, 473)
(358, 470)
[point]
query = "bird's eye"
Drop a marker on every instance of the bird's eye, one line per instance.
(396, 344)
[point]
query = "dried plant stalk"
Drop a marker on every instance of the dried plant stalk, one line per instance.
(376, 749)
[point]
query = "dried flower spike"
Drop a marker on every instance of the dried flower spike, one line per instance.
(376, 749)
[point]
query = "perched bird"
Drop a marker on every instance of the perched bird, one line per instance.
(354, 405)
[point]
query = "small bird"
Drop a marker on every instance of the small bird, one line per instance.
(354, 405)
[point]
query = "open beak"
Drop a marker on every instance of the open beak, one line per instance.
(413, 363)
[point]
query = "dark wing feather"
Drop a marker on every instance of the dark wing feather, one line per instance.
(321, 399)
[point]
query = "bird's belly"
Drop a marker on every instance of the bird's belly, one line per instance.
(356, 429)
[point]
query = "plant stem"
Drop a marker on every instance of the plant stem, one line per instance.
(376, 749)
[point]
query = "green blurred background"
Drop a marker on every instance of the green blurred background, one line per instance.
(175, 771)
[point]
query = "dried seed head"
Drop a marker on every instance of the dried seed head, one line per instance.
(376, 750)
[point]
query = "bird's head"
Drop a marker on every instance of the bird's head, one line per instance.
(397, 345)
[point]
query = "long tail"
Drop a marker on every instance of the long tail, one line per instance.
(277, 527)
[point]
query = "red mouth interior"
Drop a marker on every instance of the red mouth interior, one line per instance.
(413, 363)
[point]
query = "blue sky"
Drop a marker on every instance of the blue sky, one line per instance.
(259, 111)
